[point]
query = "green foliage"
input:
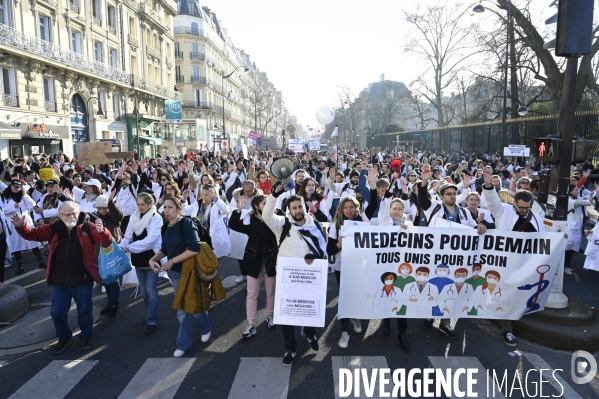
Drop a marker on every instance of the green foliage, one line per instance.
(394, 127)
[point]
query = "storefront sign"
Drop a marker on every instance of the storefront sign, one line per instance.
(10, 135)
(44, 131)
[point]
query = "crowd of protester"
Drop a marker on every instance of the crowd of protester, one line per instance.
(161, 210)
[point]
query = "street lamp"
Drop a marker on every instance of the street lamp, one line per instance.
(223, 77)
(99, 113)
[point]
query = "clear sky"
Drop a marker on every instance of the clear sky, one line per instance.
(309, 48)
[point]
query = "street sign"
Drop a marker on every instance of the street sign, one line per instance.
(516, 150)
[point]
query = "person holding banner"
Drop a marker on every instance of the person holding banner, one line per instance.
(576, 217)
(348, 209)
(299, 235)
(448, 212)
(511, 217)
(259, 260)
(391, 213)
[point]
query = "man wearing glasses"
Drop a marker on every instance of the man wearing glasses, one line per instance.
(515, 217)
(72, 268)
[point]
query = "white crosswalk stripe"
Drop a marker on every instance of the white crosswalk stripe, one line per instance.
(145, 384)
(538, 362)
(56, 380)
(260, 377)
(366, 363)
(457, 362)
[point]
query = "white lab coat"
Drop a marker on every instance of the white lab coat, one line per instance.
(387, 305)
(493, 304)
(14, 240)
(458, 303)
(423, 307)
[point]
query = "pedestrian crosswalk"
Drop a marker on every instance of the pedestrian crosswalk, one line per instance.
(256, 377)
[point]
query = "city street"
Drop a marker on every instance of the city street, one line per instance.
(123, 362)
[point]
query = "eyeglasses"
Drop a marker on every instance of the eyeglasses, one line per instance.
(69, 215)
(163, 179)
(452, 194)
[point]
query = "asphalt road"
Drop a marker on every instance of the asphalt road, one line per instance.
(124, 362)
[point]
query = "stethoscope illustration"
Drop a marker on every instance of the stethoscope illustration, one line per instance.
(497, 294)
(450, 291)
(414, 292)
(392, 295)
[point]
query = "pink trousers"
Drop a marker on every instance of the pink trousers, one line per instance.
(253, 287)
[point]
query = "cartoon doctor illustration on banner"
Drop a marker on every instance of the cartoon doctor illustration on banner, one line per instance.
(387, 299)
(420, 296)
(458, 298)
(492, 299)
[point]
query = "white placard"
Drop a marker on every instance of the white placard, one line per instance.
(301, 292)
(238, 243)
(315, 145)
(515, 150)
(296, 145)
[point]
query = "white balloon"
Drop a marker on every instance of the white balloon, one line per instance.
(320, 128)
(325, 115)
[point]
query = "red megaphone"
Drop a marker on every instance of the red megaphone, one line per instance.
(396, 165)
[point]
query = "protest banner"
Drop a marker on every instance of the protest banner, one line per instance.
(430, 272)
(301, 292)
(93, 153)
(516, 150)
(266, 143)
(296, 145)
(315, 145)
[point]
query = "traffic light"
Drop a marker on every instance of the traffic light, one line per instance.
(546, 149)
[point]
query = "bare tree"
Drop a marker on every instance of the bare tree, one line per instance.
(443, 42)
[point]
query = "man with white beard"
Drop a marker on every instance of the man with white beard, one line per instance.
(72, 268)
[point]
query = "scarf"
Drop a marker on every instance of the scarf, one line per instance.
(141, 222)
(314, 238)
(265, 187)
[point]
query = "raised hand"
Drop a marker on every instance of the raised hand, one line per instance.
(18, 220)
(466, 180)
(181, 169)
(99, 225)
(240, 204)
(143, 165)
(488, 175)
(480, 218)
(372, 175)
(426, 174)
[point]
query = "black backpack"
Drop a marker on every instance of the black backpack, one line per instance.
(202, 232)
(287, 229)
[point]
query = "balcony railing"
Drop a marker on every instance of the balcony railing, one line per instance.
(50, 106)
(144, 84)
(196, 104)
(10, 101)
(153, 52)
(34, 45)
(133, 40)
(197, 56)
(179, 54)
(112, 29)
(186, 30)
(180, 79)
(74, 7)
(198, 79)
(149, 11)
(97, 21)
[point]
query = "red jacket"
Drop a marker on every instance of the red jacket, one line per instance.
(90, 255)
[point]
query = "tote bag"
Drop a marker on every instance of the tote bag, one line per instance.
(113, 263)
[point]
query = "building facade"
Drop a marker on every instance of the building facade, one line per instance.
(224, 93)
(63, 61)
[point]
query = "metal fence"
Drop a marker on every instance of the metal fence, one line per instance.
(487, 136)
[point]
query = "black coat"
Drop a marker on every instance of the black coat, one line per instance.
(261, 247)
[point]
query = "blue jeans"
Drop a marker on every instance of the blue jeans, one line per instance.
(148, 286)
(61, 303)
(184, 337)
(113, 292)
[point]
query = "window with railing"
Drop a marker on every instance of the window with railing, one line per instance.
(45, 28)
(9, 87)
(49, 97)
(111, 15)
(5, 12)
(97, 12)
